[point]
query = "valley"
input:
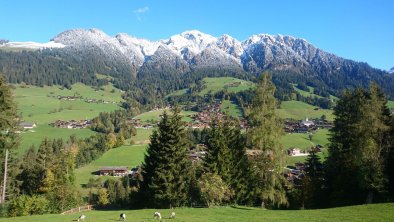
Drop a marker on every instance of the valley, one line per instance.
(215, 111)
(44, 105)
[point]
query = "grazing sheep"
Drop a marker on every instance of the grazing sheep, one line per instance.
(172, 215)
(157, 215)
(81, 218)
(122, 216)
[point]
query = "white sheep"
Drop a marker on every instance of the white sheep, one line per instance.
(172, 215)
(157, 215)
(122, 216)
(81, 218)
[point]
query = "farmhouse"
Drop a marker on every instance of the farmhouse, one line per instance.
(113, 171)
(27, 125)
(294, 151)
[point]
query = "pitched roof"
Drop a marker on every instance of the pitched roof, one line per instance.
(113, 168)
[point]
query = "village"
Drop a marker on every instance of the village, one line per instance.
(71, 124)
(87, 100)
(204, 118)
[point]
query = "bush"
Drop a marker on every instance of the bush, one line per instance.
(25, 205)
(213, 189)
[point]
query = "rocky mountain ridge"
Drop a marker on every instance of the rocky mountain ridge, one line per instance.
(150, 63)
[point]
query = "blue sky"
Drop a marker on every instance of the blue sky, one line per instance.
(362, 30)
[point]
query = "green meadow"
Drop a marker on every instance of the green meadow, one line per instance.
(41, 106)
(213, 85)
(390, 104)
(230, 108)
(35, 135)
(300, 110)
(154, 115)
(301, 141)
(142, 136)
(306, 93)
(125, 155)
(365, 213)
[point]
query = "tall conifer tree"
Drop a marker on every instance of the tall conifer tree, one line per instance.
(266, 129)
(166, 167)
(226, 157)
(359, 138)
(218, 160)
(9, 139)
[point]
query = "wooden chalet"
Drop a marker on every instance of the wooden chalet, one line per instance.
(113, 171)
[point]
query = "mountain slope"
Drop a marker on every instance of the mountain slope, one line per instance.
(192, 55)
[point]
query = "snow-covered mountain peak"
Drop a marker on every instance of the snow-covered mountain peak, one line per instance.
(82, 36)
(33, 45)
(230, 45)
(194, 41)
(146, 47)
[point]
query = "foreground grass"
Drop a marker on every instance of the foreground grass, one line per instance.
(373, 212)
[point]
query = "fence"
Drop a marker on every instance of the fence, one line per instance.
(78, 209)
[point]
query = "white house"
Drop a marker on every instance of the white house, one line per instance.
(307, 122)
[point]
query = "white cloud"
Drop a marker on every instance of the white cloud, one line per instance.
(141, 10)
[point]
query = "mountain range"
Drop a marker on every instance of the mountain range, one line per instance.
(128, 57)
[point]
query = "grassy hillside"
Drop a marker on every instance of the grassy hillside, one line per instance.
(372, 212)
(306, 93)
(154, 115)
(214, 85)
(126, 155)
(310, 93)
(142, 136)
(299, 110)
(230, 84)
(40, 105)
(390, 104)
(301, 140)
(230, 108)
(44, 130)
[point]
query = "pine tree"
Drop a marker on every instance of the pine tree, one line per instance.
(241, 172)
(358, 140)
(9, 140)
(45, 153)
(264, 135)
(30, 175)
(313, 181)
(166, 166)
(389, 165)
(217, 159)
(226, 157)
